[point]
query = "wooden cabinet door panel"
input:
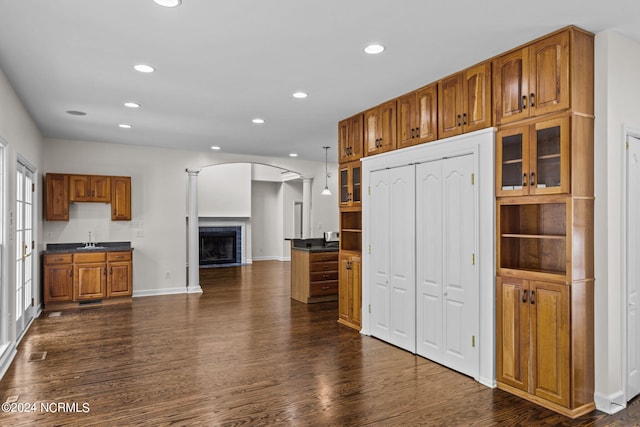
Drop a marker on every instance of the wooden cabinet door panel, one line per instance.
(450, 106)
(79, 188)
(120, 279)
(427, 117)
(511, 86)
(387, 126)
(355, 137)
(549, 311)
(512, 161)
(476, 108)
(549, 75)
(343, 140)
(406, 110)
(100, 189)
(120, 198)
(58, 281)
(355, 309)
(371, 131)
(57, 195)
(512, 332)
(549, 157)
(343, 288)
(89, 281)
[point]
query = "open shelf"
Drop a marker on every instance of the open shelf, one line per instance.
(533, 237)
(351, 231)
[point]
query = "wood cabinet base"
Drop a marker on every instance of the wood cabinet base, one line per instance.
(57, 306)
(571, 413)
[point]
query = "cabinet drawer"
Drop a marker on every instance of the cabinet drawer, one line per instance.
(323, 256)
(323, 266)
(323, 288)
(92, 257)
(119, 256)
(53, 259)
(324, 275)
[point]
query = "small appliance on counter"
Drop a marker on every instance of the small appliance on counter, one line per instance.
(331, 238)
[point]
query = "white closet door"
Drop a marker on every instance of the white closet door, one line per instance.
(447, 307)
(460, 313)
(633, 268)
(402, 257)
(379, 265)
(429, 260)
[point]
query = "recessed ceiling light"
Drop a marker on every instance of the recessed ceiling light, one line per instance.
(214, 147)
(293, 155)
(76, 113)
(124, 126)
(258, 121)
(168, 3)
(143, 68)
(374, 49)
(132, 104)
(300, 95)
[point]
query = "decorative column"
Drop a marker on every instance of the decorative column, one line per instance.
(306, 208)
(192, 233)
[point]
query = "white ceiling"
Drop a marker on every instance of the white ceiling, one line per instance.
(222, 63)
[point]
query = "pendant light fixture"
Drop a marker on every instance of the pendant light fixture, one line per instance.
(326, 191)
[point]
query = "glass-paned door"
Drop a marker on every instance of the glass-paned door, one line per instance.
(24, 247)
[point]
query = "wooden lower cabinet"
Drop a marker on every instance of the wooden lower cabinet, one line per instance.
(314, 276)
(350, 291)
(120, 274)
(72, 277)
(540, 353)
(58, 274)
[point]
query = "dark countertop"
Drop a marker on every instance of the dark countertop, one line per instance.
(313, 245)
(57, 248)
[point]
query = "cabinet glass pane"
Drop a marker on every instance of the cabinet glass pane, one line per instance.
(548, 157)
(512, 162)
(356, 184)
(344, 186)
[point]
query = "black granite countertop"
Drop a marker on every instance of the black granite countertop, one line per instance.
(313, 245)
(57, 248)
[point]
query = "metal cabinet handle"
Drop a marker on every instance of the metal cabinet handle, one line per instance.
(532, 181)
(458, 122)
(532, 98)
(524, 180)
(58, 259)
(324, 288)
(524, 295)
(524, 102)
(464, 118)
(533, 297)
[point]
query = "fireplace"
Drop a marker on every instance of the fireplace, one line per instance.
(220, 246)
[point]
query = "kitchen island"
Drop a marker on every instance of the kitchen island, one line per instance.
(314, 270)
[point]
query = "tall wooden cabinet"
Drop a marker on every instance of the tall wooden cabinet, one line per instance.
(57, 197)
(544, 212)
(350, 139)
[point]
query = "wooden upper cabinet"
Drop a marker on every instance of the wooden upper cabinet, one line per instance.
(89, 188)
(464, 101)
(57, 197)
(350, 138)
(534, 80)
(417, 115)
(380, 128)
(120, 198)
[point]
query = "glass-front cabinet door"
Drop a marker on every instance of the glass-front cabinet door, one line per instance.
(350, 184)
(549, 157)
(533, 159)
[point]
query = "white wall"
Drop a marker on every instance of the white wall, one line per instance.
(617, 87)
(225, 191)
(22, 139)
(159, 193)
(266, 220)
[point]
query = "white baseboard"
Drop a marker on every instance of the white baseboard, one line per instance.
(610, 404)
(8, 355)
(156, 292)
(271, 258)
(487, 382)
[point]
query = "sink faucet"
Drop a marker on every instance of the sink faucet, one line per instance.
(90, 244)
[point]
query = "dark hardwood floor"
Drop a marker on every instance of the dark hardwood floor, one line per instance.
(244, 353)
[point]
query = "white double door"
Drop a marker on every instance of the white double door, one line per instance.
(424, 294)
